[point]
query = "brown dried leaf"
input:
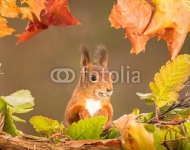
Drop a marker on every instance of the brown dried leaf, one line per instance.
(80, 143)
(134, 135)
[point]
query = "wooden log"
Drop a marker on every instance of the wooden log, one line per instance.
(28, 142)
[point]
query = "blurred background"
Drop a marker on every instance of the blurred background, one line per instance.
(28, 65)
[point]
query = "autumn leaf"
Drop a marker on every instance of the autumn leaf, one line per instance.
(170, 80)
(58, 14)
(172, 19)
(46, 126)
(144, 19)
(8, 8)
(53, 12)
(32, 29)
(134, 17)
(35, 7)
(4, 29)
(134, 135)
(80, 143)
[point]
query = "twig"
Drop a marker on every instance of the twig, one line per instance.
(184, 102)
(172, 122)
(174, 140)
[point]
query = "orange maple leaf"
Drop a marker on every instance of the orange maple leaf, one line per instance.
(4, 29)
(171, 22)
(55, 12)
(35, 7)
(144, 19)
(134, 15)
(32, 29)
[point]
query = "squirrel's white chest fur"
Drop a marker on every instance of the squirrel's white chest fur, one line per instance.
(93, 106)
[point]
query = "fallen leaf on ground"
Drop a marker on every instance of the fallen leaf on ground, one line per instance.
(80, 143)
(134, 135)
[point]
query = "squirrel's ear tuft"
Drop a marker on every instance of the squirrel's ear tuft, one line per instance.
(85, 59)
(101, 56)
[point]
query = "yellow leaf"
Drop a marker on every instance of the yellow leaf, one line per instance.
(8, 8)
(134, 135)
(35, 6)
(170, 80)
(4, 29)
(26, 13)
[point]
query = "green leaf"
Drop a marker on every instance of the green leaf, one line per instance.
(3, 104)
(150, 128)
(149, 101)
(89, 128)
(187, 127)
(9, 126)
(46, 126)
(173, 134)
(15, 118)
(181, 113)
(147, 116)
(184, 145)
(148, 98)
(145, 96)
(169, 81)
(113, 133)
(20, 101)
(135, 111)
(159, 137)
(19, 110)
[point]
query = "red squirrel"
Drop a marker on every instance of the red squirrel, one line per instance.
(92, 95)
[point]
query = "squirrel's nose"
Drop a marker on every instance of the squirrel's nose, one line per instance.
(109, 89)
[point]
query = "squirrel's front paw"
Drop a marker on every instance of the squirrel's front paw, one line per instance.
(83, 113)
(103, 112)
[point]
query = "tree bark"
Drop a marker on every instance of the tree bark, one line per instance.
(28, 142)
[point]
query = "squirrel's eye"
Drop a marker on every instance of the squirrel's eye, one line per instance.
(93, 78)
